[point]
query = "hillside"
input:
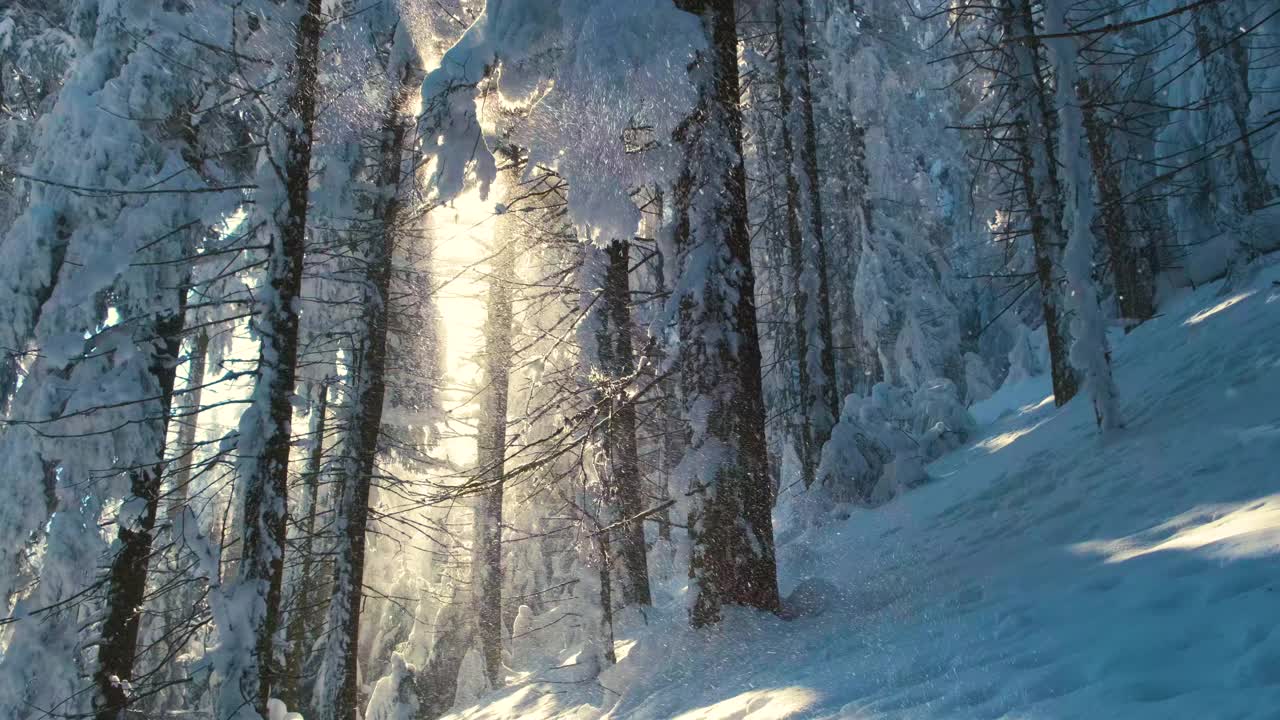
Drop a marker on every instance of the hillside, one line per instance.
(1047, 572)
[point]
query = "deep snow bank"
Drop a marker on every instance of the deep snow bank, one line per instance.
(1047, 573)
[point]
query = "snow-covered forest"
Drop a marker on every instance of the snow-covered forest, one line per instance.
(403, 359)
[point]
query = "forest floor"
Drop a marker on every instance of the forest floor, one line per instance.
(1046, 572)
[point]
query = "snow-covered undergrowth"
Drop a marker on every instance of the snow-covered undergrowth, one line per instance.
(1045, 572)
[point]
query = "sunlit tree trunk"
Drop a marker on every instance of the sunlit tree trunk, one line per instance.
(491, 462)
(188, 424)
(339, 693)
(673, 431)
(267, 425)
(177, 608)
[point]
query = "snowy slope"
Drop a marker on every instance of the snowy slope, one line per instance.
(1047, 573)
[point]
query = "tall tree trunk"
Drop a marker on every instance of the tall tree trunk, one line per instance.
(1226, 59)
(623, 483)
(800, 305)
(340, 691)
(1041, 189)
(437, 681)
(732, 558)
(127, 574)
(491, 453)
(673, 448)
(177, 605)
(1131, 271)
(299, 633)
(607, 650)
(267, 425)
(1089, 354)
(672, 429)
(811, 292)
(861, 367)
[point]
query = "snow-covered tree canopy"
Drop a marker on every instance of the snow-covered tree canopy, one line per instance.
(596, 89)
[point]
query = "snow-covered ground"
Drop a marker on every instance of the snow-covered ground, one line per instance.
(1048, 572)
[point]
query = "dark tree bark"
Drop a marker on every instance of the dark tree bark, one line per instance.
(266, 474)
(491, 462)
(806, 441)
(127, 574)
(606, 602)
(1041, 189)
(623, 480)
(1131, 271)
(806, 242)
(719, 351)
(365, 423)
(300, 632)
(437, 682)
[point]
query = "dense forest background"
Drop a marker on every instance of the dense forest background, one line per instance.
(357, 353)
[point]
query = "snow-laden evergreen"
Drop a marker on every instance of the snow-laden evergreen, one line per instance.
(411, 359)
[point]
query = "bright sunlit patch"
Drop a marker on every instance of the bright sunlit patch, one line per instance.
(1236, 531)
(518, 702)
(232, 223)
(464, 238)
(622, 648)
(1032, 407)
(771, 704)
(1211, 311)
(1004, 440)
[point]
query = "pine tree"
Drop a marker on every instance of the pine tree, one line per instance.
(302, 627)
(806, 243)
(1089, 353)
(719, 352)
(1040, 186)
(1131, 270)
(127, 575)
(491, 455)
(338, 691)
(249, 675)
(1225, 53)
(437, 680)
(622, 478)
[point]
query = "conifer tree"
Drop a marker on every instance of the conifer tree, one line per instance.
(719, 353)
